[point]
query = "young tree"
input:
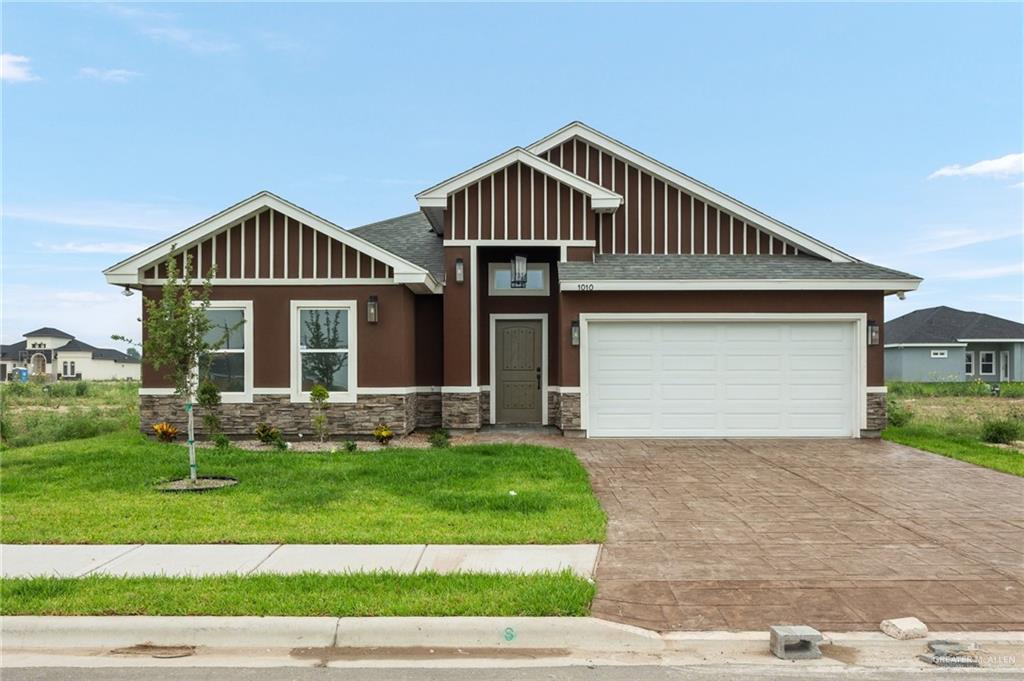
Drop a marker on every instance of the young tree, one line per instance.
(176, 339)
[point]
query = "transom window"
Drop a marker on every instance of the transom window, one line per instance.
(323, 348)
(230, 366)
(987, 362)
(940, 354)
(537, 280)
(969, 363)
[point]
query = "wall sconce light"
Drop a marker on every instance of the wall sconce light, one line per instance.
(372, 310)
(872, 332)
(574, 334)
(127, 292)
(460, 271)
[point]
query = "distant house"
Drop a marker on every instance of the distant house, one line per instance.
(57, 355)
(944, 344)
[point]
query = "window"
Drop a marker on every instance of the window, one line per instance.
(66, 369)
(940, 354)
(969, 363)
(72, 368)
(987, 360)
(537, 280)
(324, 348)
(230, 366)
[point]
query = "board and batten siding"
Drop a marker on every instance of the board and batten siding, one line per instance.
(271, 245)
(657, 217)
(519, 203)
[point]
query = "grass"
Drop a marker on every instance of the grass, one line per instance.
(33, 413)
(952, 426)
(975, 388)
(100, 490)
(348, 595)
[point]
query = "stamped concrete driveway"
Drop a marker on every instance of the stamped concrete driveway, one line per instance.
(838, 534)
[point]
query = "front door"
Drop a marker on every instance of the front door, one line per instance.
(517, 365)
(1004, 365)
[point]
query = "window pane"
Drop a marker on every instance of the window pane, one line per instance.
(227, 371)
(535, 279)
(228, 330)
(323, 329)
(329, 369)
(503, 278)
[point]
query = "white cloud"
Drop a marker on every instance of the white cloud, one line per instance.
(101, 247)
(950, 239)
(14, 68)
(166, 27)
(108, 75)
(106, 214)
(1011, 164)
(89, 313)
(984, 272)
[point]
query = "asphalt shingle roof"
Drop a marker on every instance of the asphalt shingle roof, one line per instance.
(48, 331)
(409, 237)
(946, 325)
(662, 267)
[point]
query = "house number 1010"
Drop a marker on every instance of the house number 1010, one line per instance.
(584, 287)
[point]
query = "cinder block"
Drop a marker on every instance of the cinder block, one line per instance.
(795, 642)
(904, 628)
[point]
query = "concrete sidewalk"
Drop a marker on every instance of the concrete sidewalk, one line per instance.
(197, 560)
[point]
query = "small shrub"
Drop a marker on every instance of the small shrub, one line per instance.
(318, 396)
(266, 433)
(897, 414)
(383, 434)
(81, 389)
(1008, 389)
(279, 442)
(19, 389)
(1002, 431)
(978, 388)
(440, 439)
(61, 390)
(351, 446)
(165, 432)
(220, 441)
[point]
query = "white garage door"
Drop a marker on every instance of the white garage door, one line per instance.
(721, 379)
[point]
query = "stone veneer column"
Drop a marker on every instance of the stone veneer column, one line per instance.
(569, 415)
(460, 411)
(876, 421)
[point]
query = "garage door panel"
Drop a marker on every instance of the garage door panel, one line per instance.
(703, 379)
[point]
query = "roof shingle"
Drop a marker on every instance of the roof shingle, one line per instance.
(947, 325)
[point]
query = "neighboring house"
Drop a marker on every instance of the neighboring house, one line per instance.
(56, 355)
(944, 344)
(575, 282)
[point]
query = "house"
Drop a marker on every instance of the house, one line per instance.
(575, 282)
(945, 344)
(56, 355)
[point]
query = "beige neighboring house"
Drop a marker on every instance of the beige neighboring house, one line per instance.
(57, 355)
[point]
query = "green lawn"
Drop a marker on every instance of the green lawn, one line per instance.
(373, 594)
(965, 448)
(100, 490)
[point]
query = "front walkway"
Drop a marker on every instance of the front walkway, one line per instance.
(838, 534)
(197, 560)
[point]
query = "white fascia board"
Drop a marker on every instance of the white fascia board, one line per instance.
(601, 199)
(991, 340)
(925, 345)
(127, 271)
(690, 185)
(888, 286)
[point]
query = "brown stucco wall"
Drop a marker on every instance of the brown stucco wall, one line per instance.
(456, 318)
(429, 340)
(572, 304)
(387, 349)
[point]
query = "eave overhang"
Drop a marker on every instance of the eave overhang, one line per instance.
(886, 286)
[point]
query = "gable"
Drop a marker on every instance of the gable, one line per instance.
(667, 212)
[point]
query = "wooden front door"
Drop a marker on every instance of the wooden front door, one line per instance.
(517, 367)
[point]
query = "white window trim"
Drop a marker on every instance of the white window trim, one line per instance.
(295, 378)
(247, 338)
(939, 354)
(981, 362)
(543, 317)
(859, 320)
(969, 360)
(496, 267)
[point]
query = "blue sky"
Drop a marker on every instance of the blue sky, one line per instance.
(893, 132)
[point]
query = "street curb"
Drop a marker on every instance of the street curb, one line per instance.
(576, 633)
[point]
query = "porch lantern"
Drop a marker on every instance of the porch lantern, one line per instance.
(460, 271)
(372, 310)
(574, 334)
(518, 270)
(872, 332)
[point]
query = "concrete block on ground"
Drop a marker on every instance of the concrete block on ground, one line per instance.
(580, 558)
(326, 558)
(188, 560)
(795, 642)
(904, 628)
(53, 560)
